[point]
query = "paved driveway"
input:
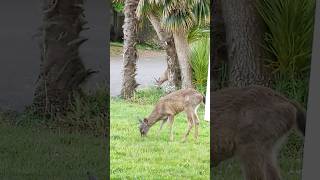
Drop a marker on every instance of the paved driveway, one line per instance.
(147, 69)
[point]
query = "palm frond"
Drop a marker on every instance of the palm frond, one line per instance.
(201, 9)
(149, 6)
(197, 33)
(178, 15)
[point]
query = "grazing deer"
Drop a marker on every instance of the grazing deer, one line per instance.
(163, 78)
(187, 100)
(249, 123)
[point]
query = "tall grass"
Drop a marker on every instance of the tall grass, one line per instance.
(87, 113)
(147, 96)
(199, 62)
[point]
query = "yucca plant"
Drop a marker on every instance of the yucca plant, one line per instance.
(289, 41)
(197, 33)
(199, 62)
(290, 32)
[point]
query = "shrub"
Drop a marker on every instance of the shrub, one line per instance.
(289, 41)
(200, 50)
(88, 113)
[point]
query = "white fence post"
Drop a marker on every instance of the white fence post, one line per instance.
(207, 105)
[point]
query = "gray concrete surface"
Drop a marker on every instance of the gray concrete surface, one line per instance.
(147, 70)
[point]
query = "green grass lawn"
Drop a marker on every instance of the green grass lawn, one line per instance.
(35, 153)
(155, 157)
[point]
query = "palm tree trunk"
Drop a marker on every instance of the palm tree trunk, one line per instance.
(167, 43)
(62, 71)
(183, 52)
(244, 33)
(130, 56)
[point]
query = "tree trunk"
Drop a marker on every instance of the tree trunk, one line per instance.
(167, 43)
(183, 52)
(62, 71)
(130, 56)
(219, 54)
(244, 34)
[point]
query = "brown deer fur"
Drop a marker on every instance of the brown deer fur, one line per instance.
(186, 100)
(249, 123)
(163, 78)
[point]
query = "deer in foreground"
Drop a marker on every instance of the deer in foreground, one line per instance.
(187, 100)
(249, 123)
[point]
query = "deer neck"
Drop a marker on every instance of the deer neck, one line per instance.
(153, 118)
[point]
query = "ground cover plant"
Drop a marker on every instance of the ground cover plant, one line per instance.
(155, 157)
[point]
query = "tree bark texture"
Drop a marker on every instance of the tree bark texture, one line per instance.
(219, 55)
(244, 36)
(183, 52)
(130, 32)
(167, 43)
(62, 71)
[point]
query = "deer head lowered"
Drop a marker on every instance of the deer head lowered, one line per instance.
(186, 100)
(163, 78)
(248, 123)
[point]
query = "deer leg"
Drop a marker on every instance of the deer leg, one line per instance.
(253, 163)
(272, 171)
(170, 121)
(196, 124)
(161, 125)
(190, 124)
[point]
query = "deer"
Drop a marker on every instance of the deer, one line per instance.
(251, 123)
(163, 78)
(187, 100)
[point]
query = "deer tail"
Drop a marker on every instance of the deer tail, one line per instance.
(300, 118)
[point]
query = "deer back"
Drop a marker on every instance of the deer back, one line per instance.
(242, 116)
